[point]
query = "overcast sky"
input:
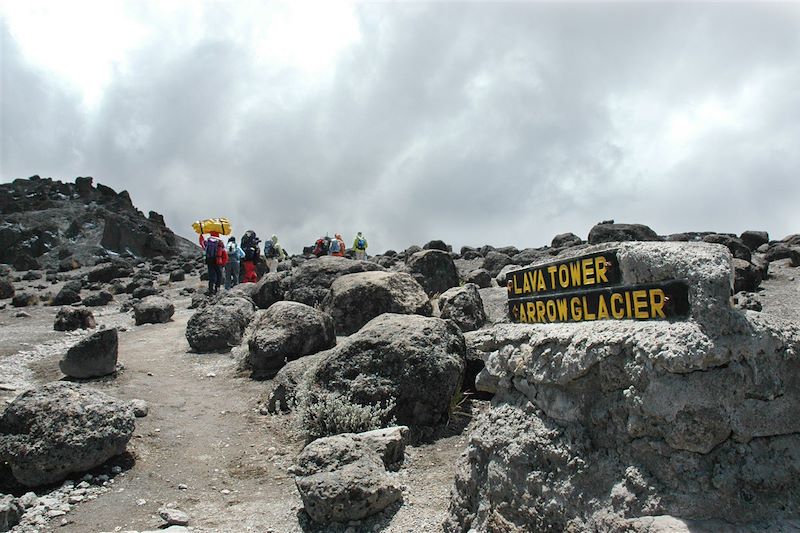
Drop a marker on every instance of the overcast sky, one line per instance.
(475, 123)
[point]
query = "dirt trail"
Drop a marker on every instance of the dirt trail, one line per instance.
(204, 432)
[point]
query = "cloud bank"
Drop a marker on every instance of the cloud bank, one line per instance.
(473, 123)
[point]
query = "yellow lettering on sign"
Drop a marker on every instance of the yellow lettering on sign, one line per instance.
(531, 312)
(526, 288)
(588, 271)
(551, 310)
(541, 285)
(562, 309)
(563, 276)
(640, 304)
(521, 313)
(552, 271)
(657, 300)
(600, 268)
(540, 311)
(617, 307)
(575, 309)
(586, 314)
(628, 308)
(575, 273)
(517, 290)
(602, 309)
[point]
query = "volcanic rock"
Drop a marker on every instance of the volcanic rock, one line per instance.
(72, 318)
(434, 270)
(495, 261)
(754, 239)
(286, 331)
(25, 299)
(6, 288)
(479, 277)
(621, 232)
(310, 282)
(355, 299)
(565, 240)
(464, 306)
(220, 324)
(60, 428)
(153, 310)
(94, 356)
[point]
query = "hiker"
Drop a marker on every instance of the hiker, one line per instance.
(337, 246)
(274, 252)
(251, 256)
(216, 257)
(360, 246)
(321, 246)
(235, 254)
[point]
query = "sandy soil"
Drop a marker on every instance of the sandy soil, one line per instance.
(204, 432)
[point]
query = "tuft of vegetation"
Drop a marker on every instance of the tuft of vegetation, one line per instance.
(331, 414)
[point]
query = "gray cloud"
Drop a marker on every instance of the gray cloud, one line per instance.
(475, 123)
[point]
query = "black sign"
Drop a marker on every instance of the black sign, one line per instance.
(591, 271)
(656, 301)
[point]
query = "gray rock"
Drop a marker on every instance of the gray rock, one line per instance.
(98, 300)
(57, 429)
(153, 310)
(479, 277)
(284, 332)
(621, 232)
(745, 276)
(463, 305)
(220, 324)
(565, 240)
(355, 299)
(495, 304)
(783, 251)
(139, 408)
(414, 362)
(269, 289)
(735, 245)
(436, 244)
(747, 301)
(342, 478)
(310, 282)
(434, 270)
(283, 394)
(25, 299)
(66, 296)
(754, 239)
(177, 275)
(495, 261)
(6, 288)
(173, 517)
(105, 272)
(140, 293)
(94, 356)
(10, 512)
(72, 318)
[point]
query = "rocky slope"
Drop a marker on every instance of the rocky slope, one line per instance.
(50, 224)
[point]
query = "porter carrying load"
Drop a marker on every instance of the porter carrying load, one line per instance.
(220, 225)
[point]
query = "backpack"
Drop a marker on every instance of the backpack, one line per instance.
(361, 244)
(251, 253)
(212, 250)
(249, 238)
(269, 250)
(335, 246)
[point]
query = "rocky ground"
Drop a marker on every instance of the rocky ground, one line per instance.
(204, 447)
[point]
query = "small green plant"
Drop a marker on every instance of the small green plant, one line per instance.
(331, 414)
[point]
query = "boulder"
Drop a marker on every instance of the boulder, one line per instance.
(621, 232)
(565, 240)
(92, 357)
(220, 324)
(355, 299)
(98, 300)
(735, 245)
(464, 306)
(25, 299)
(269, 289)
(142, 292)
(66, 296)
(32, 275)
(754, 239)
(105, 272)
(343, 478)
(6, 288)
(436, 245)
(434, 270)
(310, 282)
(153, 310)
(495, 304)
(783, 251)
(402, 367)
(495, 261)
(61, 428)
(746, 277)
(289, 380)
(72, 318)
(10, 512)
(177, 275)
(284, 332)
(479, 277)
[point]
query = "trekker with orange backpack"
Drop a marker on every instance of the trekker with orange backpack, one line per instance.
(216, 257)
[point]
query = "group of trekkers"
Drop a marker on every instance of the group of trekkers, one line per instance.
(336, 247)
(231, 263)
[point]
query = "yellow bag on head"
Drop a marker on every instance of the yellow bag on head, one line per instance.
(220, 225)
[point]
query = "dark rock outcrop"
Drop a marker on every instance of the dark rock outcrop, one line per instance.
(464, 306)
(92, 357)
(310, 282)
(434, 270)
(72, 318)
(220, 324)
(621, 232)
(153, 310)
